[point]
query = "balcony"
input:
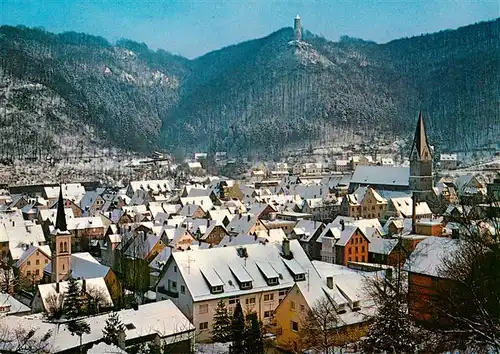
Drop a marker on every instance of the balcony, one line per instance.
(169, 293)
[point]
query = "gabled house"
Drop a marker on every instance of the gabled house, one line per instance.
(181, 239)
(351, 245)
(423, 267)
(365, 203)
(257, 276)
(31, 264)
(307, 232)
(403, 208)
(343, 288)
(92, 203)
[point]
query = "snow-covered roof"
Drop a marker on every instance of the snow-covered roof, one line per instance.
(381, 175)
(71, 191)
(161, 318)
(84, 266)
(85, 222)
(222, 259)
(103, 348)
(161, 259)
(50, 214)
(32, 249)
(156, 186)
(10, 306)
(404, 207)
(380, 245)
(98, 285)
(428, 256)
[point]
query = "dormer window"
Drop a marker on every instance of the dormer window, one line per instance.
(299, 277)
(355, 306)
(246, 285)
(217, 289)
(272, 281)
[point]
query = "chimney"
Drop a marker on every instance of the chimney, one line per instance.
(84, 285)
(329, 282)
(208, 222)
(414, 214)
(13, 223)
(455, 233)
(248, 218)
(57, 287)
(285, 248)
(342, 224)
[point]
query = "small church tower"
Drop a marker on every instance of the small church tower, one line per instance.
(297, 28)
(61, 244)
(420, 160)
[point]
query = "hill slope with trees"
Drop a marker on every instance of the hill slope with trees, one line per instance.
(74, 91)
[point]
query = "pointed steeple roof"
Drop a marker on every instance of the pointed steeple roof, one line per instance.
(61, 216)
(420, 144)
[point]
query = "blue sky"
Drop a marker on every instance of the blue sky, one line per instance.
(192, 28)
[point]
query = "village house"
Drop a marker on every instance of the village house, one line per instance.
(341, 286)
(160, 323)
(307, 233)
(257, 275)
(448, 161)
(424, 276)
(403, 208)
(92, 203)
(71, 192)
(30, 265)
(364, 203)
(381, 178)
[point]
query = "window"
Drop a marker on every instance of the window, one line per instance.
(294, 325)
(299, 277)
(174, 285)
(61, 249)
(362, 248)
(292, 305)
(250, 301)
(302, 308)
(233, 300)
(65, 247)
(37, 271)
(203, 326)
(246, 285)
(272, 281)
(268, 297)
(183, 289)
(267, 314)
(349, 250)
(28, 273)
(46, 261)
(37, 253)
(29, 262)
(203, 309)
(37, 262)
(356, 249)
(175, 269)
(217, 289)
(63, 266)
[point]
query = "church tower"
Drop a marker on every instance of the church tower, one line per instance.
(61, 244)
(420, 160)
(297, 28)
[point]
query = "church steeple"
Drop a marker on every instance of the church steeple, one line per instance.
(420, 160)
(61, 244)
(420, 148)
(60, 215)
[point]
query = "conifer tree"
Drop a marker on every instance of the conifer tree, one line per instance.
(238, 331)
(222, 324)
(72, 302)
(78, 327)
(112, 329)
(253, 341)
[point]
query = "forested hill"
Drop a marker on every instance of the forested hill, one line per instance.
(261, 95)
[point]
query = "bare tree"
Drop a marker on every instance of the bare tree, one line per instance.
(22, 340)
(319, 327)
(467, 304)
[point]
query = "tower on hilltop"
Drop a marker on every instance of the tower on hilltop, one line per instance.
(61, 244)
(297, 28)
(420, 160)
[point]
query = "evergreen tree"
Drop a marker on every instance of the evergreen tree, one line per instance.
(253, 341)
(72, 300)
(222, 324)
(112, 329)
(238, 331)
(79, 328)
(392, 332)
